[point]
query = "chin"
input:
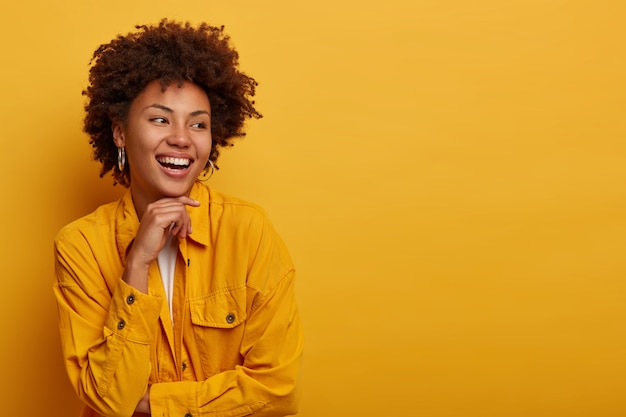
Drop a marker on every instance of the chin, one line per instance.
(173, 192)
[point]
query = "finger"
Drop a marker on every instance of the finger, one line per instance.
(178, 200)
(185, 227)
(190, 201)
(173, 202)
(181, 226)
(175, 228)
(170, 215)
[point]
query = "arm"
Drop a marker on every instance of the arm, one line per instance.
(269, 340)
(266, 384)
(107, 327)
(108, 363)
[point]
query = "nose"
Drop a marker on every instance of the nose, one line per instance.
(179, 137)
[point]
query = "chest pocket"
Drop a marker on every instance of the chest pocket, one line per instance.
(218, 323)
(222, 310)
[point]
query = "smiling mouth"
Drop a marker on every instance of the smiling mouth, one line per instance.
(174, 163)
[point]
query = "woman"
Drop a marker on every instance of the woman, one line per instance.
(175, 300)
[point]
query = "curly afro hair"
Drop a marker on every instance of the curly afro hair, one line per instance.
(171, 52)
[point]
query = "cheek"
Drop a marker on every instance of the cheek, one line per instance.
(206, 147)
(145, 141)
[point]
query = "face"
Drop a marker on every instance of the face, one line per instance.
(167, 137)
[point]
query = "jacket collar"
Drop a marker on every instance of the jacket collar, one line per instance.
(127, 222)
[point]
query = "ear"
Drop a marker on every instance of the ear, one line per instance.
(118, 135)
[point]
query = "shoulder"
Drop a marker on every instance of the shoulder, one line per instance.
(235, 205)
(91, 225)
(247, 223)
(240, 214)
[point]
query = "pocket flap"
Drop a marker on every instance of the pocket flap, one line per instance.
(226, 309)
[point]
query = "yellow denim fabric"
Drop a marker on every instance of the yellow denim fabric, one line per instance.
(236, 342)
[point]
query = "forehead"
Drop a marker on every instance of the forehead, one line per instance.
(178, 97)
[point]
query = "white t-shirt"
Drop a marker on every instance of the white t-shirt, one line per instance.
(167, 262)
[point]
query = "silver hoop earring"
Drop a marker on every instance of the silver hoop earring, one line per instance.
(210, 169)
(121, 158)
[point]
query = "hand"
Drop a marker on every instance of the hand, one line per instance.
(143, 406)
(163, 217)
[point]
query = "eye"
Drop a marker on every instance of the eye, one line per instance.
(158, 120)
(199, 125)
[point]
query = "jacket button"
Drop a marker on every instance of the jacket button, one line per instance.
(188, 415)
(121, 324)
(230, 318)
(130, 299)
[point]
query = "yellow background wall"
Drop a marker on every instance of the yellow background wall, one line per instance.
(450, 177)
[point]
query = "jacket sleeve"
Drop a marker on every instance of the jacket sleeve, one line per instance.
(267, 381)
(266, 384)
(105, 332)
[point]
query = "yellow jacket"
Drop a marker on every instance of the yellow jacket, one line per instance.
(236, 342)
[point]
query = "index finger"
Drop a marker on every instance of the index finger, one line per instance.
(188, 201)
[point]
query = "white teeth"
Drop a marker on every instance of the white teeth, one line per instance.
(174, 161)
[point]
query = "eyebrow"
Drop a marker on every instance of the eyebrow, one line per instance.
(167, 109)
